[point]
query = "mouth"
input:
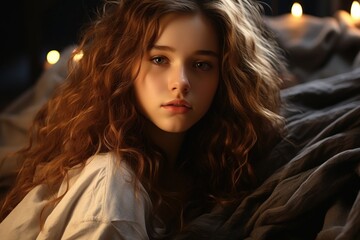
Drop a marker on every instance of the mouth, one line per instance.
(178, 103)
(177, 106)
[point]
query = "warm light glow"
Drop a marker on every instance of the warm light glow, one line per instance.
(296, 10)
(355, 10)
(77, 57)
(53, 57)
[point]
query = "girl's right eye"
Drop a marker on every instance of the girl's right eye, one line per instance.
(159, 60)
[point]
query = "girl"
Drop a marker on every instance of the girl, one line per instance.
(161, 120)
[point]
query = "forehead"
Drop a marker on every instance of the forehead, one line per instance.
(187, 31)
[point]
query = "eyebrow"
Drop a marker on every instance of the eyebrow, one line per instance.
(198, 52)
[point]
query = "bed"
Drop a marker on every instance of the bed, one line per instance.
(310, 180)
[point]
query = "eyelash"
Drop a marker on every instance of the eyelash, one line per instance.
(206, 66)
(160, 60)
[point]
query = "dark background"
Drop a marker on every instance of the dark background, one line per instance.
(31, 28)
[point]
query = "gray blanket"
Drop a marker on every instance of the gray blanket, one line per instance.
(312, 176)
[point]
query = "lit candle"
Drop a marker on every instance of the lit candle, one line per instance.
(355, 11)
(52, 57)
(294, 21)
(352, 19)
(296, 10)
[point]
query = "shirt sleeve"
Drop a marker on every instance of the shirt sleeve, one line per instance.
(100, 203)
(96, 230)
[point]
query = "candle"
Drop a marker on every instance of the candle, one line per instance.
(352, 19)
(52, 57)
(296, 10)
(355, 11)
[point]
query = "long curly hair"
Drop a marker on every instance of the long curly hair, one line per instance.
(95, 110)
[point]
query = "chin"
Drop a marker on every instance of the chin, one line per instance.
(174, 129)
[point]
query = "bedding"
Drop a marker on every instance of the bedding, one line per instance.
(311, 188)
(310, 179)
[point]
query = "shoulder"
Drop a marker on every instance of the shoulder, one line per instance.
(101, 171)
(116, 184)
(99, 199)
(103, 193)
(109, 182)
(106, 168)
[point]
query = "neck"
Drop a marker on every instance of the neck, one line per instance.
(169, 142)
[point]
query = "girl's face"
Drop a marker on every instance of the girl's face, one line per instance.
(179, 75)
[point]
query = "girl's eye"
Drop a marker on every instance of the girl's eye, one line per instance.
(159, 60)
(204, 66)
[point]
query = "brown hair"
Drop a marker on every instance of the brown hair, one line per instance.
(94, 110)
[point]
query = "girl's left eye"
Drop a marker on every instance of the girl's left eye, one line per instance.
(204, 66)
(159, 60)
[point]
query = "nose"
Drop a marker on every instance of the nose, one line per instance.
(179, 81)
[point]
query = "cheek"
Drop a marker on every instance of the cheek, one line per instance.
(148, 90)
(150, 84)
(205, 94)
(209, 88)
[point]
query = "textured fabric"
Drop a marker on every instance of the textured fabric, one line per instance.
(100, 204)
(311, 179)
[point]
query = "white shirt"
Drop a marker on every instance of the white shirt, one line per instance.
(101, 203)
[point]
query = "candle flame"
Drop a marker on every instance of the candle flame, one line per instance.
(296, 10)
(355, 10)
(52, 57)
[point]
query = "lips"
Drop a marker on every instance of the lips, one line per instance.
(177, 106)
(178, 103)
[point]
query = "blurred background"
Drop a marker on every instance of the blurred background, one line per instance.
(31, 28)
